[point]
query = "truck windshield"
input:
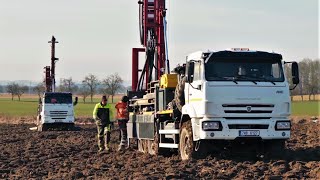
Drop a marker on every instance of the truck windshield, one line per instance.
(58, 99)
(244, 70)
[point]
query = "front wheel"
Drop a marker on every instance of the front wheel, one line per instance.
(186, 145)
(42, 127)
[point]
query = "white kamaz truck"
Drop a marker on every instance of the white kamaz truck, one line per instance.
(56, 111)
(216, 101)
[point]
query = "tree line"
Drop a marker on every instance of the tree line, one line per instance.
(88, 87)
(309, 74)
(112, 84)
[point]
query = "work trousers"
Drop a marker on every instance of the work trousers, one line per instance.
(123, 131)
(104, 134)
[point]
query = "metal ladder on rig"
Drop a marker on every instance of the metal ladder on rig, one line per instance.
(168, 131)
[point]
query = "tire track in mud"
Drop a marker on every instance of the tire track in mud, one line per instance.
(26, 154)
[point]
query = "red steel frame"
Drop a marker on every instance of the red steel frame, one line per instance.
(135, 66)
(153, 13)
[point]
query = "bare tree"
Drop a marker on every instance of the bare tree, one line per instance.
(67, 85)
(12, 88)
(16, 89)
(317, 76)
(309, 78)
(39, 89)
(84, 92)
(112, 84)
(304, 77)
(91, 81)
(21, 90)
(313, 83)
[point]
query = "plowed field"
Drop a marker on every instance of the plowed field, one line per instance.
(26, 154)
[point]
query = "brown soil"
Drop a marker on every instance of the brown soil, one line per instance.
(26, 154)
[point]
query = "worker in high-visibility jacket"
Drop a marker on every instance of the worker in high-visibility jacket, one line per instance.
(102, 115)
(122, 117)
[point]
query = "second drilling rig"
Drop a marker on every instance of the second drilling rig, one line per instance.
(56, 109)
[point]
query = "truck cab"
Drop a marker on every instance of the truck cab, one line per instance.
(238, 94)
(56, 111)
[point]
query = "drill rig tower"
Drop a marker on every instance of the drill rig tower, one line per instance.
(50, 75)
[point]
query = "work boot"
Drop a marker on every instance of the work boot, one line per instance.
(101, 150)
(100, 144)
(107, 148)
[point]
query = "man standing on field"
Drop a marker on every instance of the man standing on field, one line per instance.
(122, 116)
(102, 115)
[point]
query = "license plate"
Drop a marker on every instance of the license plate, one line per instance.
(58, 120)
(249, 133)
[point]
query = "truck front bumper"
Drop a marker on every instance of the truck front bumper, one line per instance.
(66, 119)
(232, 129)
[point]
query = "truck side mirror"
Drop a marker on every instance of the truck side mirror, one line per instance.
(295, 73)
(75, 101)
(189, 72)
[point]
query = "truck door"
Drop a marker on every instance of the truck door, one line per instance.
(194, 89)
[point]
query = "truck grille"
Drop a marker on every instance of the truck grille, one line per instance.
(245, 105)
(248, 126)
(246, 111)
(246, 118)
(58, 114)
(248, 108)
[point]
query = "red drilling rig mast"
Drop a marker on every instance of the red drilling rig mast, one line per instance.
(152, 24)
(50, 71)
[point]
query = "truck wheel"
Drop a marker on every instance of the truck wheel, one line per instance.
(179, 94)
(42, 127)
(140, 146)
(38, 120)
(153, 147)
(71, 127)
(39, 127)
(143, 145)
(186, 145)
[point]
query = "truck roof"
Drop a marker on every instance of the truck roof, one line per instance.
(234, 54)
(57, 93)
(258, 54)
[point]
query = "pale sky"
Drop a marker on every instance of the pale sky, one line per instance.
(96, 36)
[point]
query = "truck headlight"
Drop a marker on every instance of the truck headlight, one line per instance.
(211, 126)
(283, 125)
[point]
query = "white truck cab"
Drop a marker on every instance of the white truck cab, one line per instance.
(238, 94)
(56, 110)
